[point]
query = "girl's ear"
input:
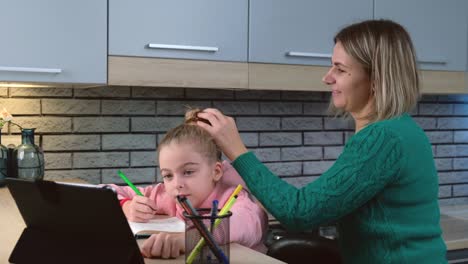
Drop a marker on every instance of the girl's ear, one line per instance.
(218, 171)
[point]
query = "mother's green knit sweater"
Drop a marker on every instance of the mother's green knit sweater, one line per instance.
(382, 191)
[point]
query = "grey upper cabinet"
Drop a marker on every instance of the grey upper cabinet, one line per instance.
(53, 41)
(202, 29)
(439, 29)
(300, 31)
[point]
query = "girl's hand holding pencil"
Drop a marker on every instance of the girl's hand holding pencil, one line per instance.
(139, 209)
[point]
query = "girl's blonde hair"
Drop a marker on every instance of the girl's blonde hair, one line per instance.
(190, 133)
(385, 50)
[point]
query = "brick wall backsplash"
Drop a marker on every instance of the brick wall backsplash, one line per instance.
(90, 133)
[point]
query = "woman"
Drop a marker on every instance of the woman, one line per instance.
(383, 189)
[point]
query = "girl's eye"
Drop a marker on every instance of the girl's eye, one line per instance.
(167, 177)
(188, 172)
(340, 70)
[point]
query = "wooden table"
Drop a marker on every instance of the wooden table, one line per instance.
(239, 255)
(12, 224)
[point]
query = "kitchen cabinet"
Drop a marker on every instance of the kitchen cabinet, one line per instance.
(439, 30)
(184, 29)
(300, 31)
(53, 41)
(179, 43)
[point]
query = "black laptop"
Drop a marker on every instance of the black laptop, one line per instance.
(71, 224)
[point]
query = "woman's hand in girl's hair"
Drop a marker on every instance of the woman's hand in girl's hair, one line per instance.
(139, 209)
(164, 245)
(224, 130)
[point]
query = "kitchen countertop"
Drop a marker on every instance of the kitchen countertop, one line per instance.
(454, 223)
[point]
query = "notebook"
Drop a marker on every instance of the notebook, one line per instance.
(71, 224)
(159, 224)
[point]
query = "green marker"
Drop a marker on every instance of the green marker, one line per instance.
(129, 182)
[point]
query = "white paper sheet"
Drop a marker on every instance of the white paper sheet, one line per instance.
(162, 224)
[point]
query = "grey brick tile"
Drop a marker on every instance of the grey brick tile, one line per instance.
(126, 107)
(280, 139)
(101, 124)
(258, 123)
(41, 92)
(179, 107)
(143, 158)
(285, 168)
(128, 142)
(435, 109)
(301, 123)
(280, 108)
(57, 160)
(452, 123)
(70, 106)
(267, 154)
(135, 175)
(160, 92)
(44, 124)
(237, 108)
(323, 138)
(209, 94)
(92, 176)
(21, 106)
(100, 159)
(301, 153)
(71, 142)
(155, 124)
(107, 91)
(257, 95)
(319, 109)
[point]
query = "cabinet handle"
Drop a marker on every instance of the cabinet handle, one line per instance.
(439, 62)
(182, 47)
(30, 70)
(308, 54)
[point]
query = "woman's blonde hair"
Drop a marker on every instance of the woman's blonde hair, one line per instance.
(190, 133)
(385, 50)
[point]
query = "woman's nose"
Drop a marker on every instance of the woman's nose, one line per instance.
(327, 78)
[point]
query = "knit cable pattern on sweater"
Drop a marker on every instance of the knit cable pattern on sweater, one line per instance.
(368, 163)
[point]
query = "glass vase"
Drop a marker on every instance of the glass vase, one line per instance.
(29, 158)
(3, 161)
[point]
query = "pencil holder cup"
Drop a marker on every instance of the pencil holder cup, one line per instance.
(197, 249)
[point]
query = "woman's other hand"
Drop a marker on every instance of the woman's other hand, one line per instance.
(224, 130)
(164, 245)
(139, 209)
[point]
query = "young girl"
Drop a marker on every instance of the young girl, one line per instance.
(190, 164)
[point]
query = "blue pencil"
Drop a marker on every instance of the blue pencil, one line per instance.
(214, 213)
